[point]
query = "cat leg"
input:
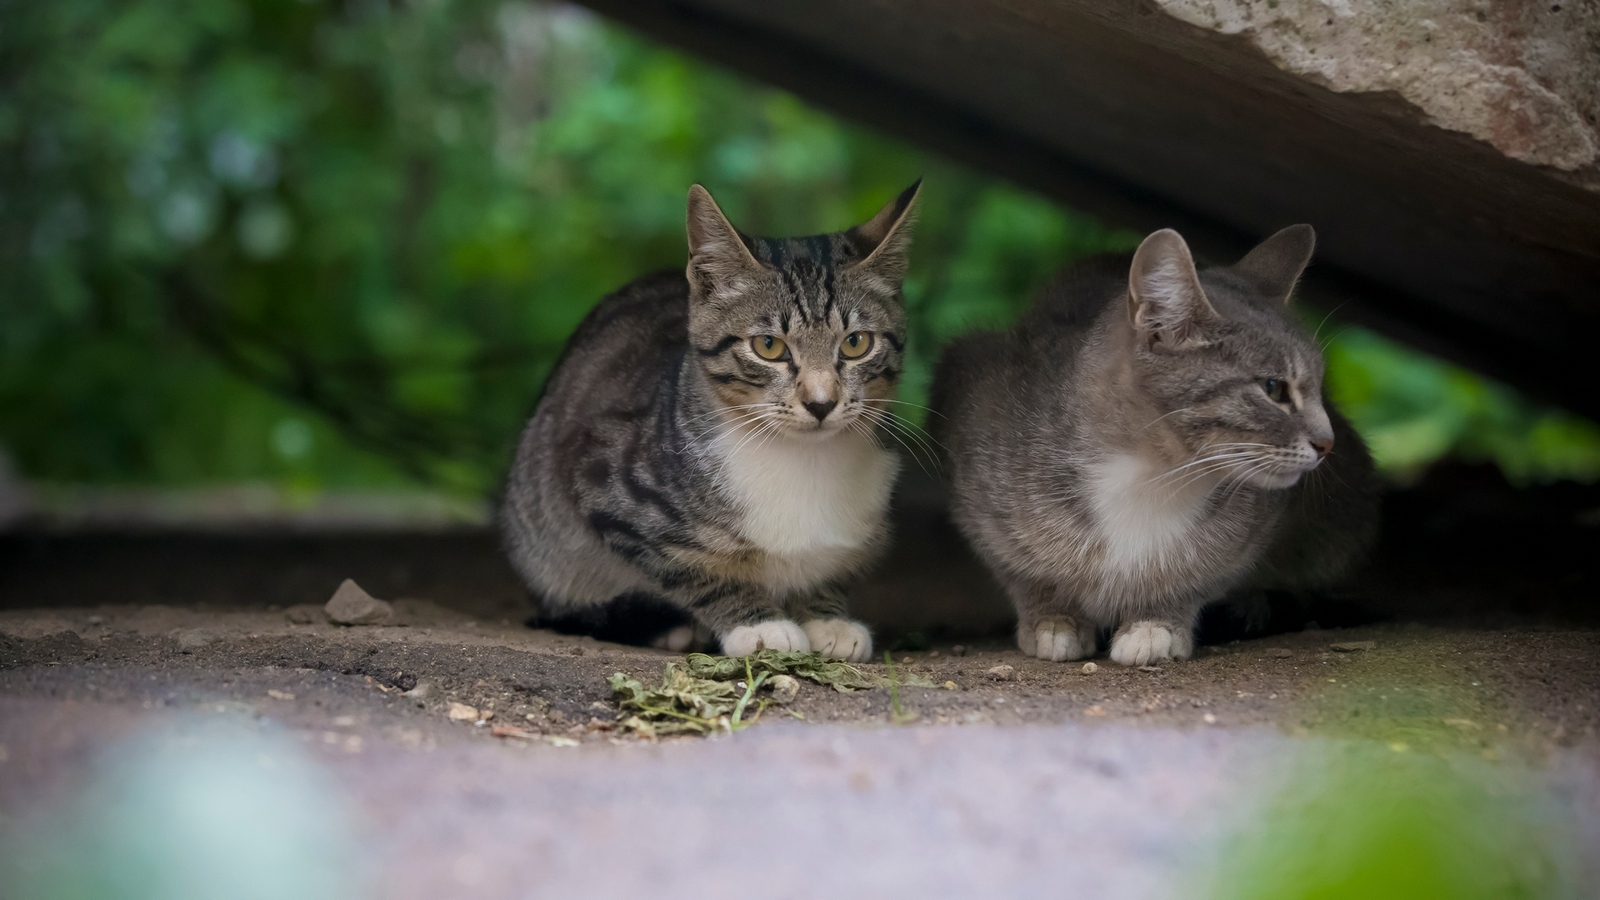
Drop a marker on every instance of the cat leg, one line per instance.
(1142, 642)
(824, 616)
(744, 618)
(1047, 627)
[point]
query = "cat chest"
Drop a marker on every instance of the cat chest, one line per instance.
(812, 506)
(1145, 524)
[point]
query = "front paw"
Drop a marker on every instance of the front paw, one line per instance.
(1142, 643)
(773, 634)
(676, 640)
(840, 639)
(1057, 638)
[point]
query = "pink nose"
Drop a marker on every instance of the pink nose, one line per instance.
(1323, 446)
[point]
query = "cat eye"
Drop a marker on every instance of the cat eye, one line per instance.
(1277, 389)
(855, 344)
(769, 346)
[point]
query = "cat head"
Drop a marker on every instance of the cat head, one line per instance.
(1234, 376)
(800, 334)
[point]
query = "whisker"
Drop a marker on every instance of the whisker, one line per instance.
(902, 403)
(884, 419)
(897, 427)
(734, 422)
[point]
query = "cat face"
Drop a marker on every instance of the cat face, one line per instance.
(1238, 381)
(803, 336)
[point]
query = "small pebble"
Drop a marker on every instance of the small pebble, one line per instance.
(958, 650)
(1209, 719)
(305, 614)
(784, 688)
(1352, 646)
(195, 638)
(1090, 668)
(350, 605)
(1002, 672)
(460, 712)
(1279, 652)
(279, 695)
(1096, 710)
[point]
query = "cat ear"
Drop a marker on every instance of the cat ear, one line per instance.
(1165, 301)
(1274, 266)
(886, 237)
(717, 251)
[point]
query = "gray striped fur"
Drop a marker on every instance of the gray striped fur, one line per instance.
(668, 460)
(1117, 461)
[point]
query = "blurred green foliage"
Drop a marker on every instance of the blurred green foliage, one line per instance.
(340, 244)
(1360, 822)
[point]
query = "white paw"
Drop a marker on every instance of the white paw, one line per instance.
(676, 640)
(773, 634)
(840, 639)
(1142, 643)
(1058, 638)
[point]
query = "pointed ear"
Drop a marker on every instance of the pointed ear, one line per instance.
(1274, 266)
(886, 237)
(1165, 301)
(717, 252)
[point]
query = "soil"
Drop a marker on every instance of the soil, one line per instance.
(1525, 690)
(1492, 660)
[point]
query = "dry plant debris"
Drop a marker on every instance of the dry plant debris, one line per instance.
(705, 693)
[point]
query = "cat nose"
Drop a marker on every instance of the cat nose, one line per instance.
(820, 409)
(1323, 446)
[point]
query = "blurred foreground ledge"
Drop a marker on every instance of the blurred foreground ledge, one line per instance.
(1447, 153)
(234, 508)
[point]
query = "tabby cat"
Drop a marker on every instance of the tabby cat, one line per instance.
(1147, 439)
(707, 451)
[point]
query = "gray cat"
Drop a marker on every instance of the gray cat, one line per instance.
(709, 443)
(1147, 439)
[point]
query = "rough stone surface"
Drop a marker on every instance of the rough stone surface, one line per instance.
(351, 605)
(1521, 77)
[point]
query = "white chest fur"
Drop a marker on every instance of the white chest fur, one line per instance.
(1145, 517)
(807, 502)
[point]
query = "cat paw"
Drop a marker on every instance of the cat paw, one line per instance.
(1143, 643)
(1057, 638)
(839, 639)
(773, 634)
(676, 640)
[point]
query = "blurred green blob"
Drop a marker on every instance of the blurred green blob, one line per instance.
(199, 813)
(1363, 822)
(1414, 409)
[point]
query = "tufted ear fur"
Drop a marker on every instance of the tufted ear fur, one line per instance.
(1276, 263)
(886, 237)
(1165, 302)
(718, 253)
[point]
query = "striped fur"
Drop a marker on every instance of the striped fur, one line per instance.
(668, 460)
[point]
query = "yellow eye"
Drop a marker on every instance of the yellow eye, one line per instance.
(856, 344)
(768, 346)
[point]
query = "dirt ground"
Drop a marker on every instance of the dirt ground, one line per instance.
(166, 657)
(1122, 782)
(1522, 691)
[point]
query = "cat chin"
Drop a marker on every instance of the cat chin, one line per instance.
(810, 432)
(1276, 481)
